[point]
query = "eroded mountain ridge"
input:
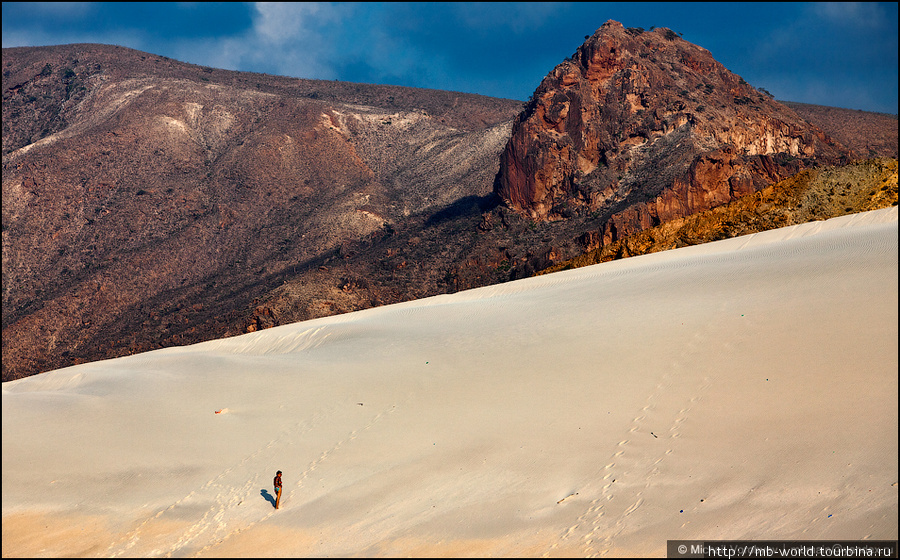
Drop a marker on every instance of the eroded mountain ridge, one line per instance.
(150, 203)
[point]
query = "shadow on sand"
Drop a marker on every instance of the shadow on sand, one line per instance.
(265, 494)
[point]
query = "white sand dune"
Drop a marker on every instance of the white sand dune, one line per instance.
(743, 389)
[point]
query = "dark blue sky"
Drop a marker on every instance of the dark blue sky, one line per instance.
(837, 54)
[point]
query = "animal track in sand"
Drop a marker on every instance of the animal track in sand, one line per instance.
(350, 437)
(223, 518)
(305, 474)
(659, 419)
(230, 488)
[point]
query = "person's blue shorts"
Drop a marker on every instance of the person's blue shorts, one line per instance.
(277, 489)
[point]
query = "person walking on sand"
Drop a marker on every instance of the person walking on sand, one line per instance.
(277, 483)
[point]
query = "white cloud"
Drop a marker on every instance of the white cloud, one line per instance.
(280, 23)
(290, 38)
(853, 14)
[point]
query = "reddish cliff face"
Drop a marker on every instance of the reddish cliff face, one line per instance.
(642, 127)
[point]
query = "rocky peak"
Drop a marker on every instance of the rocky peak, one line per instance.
(646, 118)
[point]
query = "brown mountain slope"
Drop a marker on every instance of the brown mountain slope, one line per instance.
(812, 194)
(147, 202)
(151, 203)
(867, 134)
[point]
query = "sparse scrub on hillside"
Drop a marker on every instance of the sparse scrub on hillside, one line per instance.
(808, 196)
(867, 134)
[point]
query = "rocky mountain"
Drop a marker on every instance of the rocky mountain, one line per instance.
(147, 202)
(645, 127)
(811, 195)
(866, 134)
(150, 203)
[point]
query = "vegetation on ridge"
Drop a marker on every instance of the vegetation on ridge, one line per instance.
(812, 194)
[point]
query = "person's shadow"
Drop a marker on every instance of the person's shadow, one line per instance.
(265, 494)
